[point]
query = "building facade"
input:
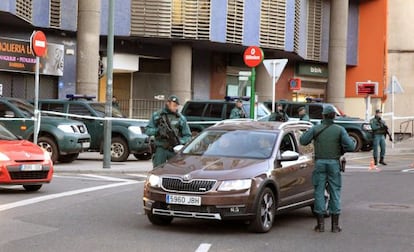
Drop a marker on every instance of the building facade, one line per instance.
(194, 48)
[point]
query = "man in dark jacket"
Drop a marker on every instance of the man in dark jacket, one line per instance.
(330, 141)
(279, 115)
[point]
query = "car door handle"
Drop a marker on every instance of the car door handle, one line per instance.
(303, 166)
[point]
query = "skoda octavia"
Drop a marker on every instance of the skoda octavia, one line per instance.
(234, 170)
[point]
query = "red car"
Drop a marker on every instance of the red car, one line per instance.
(23, 162)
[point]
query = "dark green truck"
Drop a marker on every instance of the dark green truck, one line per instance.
(127, 134)
(62, 138)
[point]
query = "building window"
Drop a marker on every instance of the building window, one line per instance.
(55, 16)
(24, 9)
(235, 11)
(315, 9)
(273, 23)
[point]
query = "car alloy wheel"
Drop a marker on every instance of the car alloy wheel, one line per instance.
(119, 150)
(265, 212)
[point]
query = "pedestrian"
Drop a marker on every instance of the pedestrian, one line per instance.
(169, 128)
(279, 115)
(379, 129)
(115, 102)
(302, 114)
(330, 142)
(238, 111)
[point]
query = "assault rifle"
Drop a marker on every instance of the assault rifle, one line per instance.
(387, 132)
(167, 132)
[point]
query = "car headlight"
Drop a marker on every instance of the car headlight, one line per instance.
(66, 128)
(135, 129)
(154, 181)
(234, 185)
(4, 157)
(367, 127)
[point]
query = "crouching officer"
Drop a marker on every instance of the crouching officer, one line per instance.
(331, 141)
(169, 128)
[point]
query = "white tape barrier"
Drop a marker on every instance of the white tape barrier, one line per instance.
(93, 117)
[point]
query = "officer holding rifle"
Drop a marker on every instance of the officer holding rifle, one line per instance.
(169, 128)
(380, 130)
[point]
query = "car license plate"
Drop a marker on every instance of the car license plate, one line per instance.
(31, 167)
(86, 145)
(183, 200)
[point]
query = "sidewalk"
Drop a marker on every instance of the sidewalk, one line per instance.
(92, 162)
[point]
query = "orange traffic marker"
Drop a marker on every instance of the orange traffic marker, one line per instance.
(372, 166)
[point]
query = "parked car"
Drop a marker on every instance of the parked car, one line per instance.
(358, 129)
(127, 135)
(202, 114)
(245, 170)
(62, 138)
(23, 162)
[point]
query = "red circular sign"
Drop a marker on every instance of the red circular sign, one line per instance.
(253, 56)
(38, 42)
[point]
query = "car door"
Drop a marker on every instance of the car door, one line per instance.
(292, 176)
(18, 127)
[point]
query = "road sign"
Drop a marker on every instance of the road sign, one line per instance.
(367, 88)
(274, 68)
(253, 56)
(38, 43)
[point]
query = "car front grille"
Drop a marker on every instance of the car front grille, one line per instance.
(23, 175)
(196, 185)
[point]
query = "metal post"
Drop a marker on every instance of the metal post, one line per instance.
(253, 94)
(273, 86)
(109, 73)
(36, 103)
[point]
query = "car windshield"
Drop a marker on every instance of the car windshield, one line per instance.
(5, 134)
(100, 109)
(26, 108)
(237, 143)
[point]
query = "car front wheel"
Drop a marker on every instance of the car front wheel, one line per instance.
(50, 146)
(265, 212)
(119, 150)
(357, 140)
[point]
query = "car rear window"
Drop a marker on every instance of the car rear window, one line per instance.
(214, 110)
(194, 109)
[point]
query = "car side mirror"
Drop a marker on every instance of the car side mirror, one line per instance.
(177, 148)
(288, 156)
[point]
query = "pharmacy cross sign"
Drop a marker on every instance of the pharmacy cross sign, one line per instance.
(38, 43)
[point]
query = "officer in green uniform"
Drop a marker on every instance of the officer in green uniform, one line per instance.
(237, 111)
(169, 128)
(380, 129)
(330, 141)
(302, 114)
(279, 115)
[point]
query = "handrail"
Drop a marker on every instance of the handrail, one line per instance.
(406, 125)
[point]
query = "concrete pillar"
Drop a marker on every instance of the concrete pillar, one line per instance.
(181, 62)
(337, 52)
(87, 60)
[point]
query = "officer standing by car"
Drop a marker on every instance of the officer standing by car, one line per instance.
(169, 128)
(237, 111)
(302, 114)
(330, 141)
(379, 129)
(279, 115)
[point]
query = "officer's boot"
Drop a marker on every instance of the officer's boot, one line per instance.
(320, 226)
(375, 161)
(335, 226)
(382, 161)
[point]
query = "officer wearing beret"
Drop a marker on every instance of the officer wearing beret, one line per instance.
(170, 128)
(279, 115)
(237, 111)
(302, 114)
(379, 129)
(330, 141)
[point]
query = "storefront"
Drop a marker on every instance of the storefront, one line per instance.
(313, 79)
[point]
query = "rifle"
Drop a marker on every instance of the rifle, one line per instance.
(387, 130)
(167, 132)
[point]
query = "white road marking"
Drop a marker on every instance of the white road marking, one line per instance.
(408, 170)
(106, 178)
(137, 175)
(21, 203)
(204, 247)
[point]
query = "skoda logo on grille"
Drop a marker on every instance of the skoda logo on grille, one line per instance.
(186, 177)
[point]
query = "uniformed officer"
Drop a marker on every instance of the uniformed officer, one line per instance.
(279, 115)
(237, 111)
(169, 128)
(302, 114)
(330, 141)
(380, 129)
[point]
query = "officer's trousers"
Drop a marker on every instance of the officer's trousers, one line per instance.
(327, 174)
(161, 156)
(379, 139)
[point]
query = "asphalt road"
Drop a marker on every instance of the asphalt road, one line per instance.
(81, 212)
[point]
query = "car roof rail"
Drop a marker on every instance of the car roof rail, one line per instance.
(288, 123)
(238, 120)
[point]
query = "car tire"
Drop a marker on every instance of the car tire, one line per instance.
(50, 146)
(357, 140)
(68, 158)
(32, 188)
(143, 156)
(265, 212)
(119, 150)
(159, 220)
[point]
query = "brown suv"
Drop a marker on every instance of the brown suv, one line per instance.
(234, 170)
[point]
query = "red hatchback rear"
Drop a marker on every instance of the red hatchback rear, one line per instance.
(23, 162)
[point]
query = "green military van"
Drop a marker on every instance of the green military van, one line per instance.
(127, 134)
(62, 138)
